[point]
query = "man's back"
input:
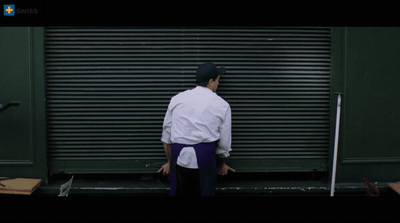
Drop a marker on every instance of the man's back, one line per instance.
(197, 115)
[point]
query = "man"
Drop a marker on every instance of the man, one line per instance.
(197, 136)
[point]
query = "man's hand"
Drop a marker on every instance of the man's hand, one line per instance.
(223, 170)
(164, 169)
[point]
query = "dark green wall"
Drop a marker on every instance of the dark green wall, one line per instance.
(22, 129)
(366, 69)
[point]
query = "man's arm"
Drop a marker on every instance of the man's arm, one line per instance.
(166, 139)
(167, 149)
(224, 147)
(224, 143)
(165, 168)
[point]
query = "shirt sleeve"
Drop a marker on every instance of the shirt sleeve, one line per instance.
(166, 133)
(224, 144)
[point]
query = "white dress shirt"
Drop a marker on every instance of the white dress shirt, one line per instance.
(197, 116)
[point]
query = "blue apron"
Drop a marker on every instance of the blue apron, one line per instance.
(205, 154)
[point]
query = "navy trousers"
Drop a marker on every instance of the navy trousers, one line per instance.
(207, 172)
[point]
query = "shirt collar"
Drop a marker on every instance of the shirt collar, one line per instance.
(201, 88)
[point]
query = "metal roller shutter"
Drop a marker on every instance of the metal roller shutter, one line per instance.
(108, 90)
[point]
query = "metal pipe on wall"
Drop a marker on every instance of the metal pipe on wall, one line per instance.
(335, 152)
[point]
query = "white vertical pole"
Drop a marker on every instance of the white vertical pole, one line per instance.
(335, 152)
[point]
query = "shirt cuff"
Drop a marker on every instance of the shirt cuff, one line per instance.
(166, 137)
(222, 153)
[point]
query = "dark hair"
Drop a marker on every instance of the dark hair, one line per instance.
(205, 83)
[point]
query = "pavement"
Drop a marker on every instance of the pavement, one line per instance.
(234, 185)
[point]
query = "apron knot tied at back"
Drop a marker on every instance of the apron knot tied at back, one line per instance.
(207, 169)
